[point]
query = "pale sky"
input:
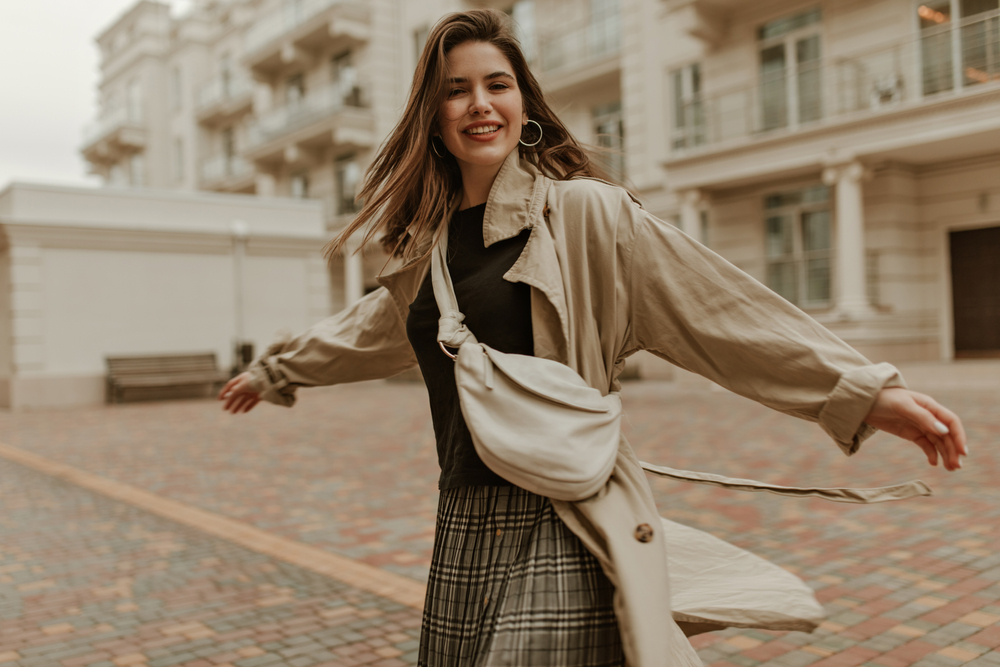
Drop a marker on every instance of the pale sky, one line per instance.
(48, 85)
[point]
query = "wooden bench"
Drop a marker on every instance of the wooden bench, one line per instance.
(159, 376)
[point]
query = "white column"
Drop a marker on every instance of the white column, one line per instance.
(691, 214)
(850, 277)
(354, 276)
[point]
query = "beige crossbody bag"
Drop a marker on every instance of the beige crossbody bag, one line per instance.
(535, 422)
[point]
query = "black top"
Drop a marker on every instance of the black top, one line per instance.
(497, 312)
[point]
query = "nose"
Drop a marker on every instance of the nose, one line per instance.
(479, 102)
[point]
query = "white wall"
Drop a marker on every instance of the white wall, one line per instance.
(89, 273)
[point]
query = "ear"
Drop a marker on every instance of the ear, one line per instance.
(524, 118)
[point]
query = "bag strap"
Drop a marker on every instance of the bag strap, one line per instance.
(451, 332)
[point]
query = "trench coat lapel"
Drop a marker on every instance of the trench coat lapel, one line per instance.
(516, 202)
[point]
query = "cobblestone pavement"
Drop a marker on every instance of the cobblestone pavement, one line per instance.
(352, 470)
(89, 581)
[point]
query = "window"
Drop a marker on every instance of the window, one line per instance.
(344, 78)
(704, 228)
(798, 245)
(300, 185)
(966, 51)
(790, 73)
(226, 76)
(133, 101)
(136, 170)
(178, 160)
(347, 177)
(605, 28)
(295, 89)
(688, 113)
(609, 131)
(229, 149)
(176, 92)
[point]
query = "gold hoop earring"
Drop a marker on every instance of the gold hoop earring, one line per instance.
(435, 148)
(540, 133)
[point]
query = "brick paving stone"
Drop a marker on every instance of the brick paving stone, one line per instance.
(81, 541)
(342, 473)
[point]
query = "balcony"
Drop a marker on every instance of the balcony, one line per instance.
(302, 27)
(222, 98)
(226, 173)
(943, 63)
(581, 53)
(116, 133)
(335, 115)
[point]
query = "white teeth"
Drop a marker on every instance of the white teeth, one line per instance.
(485, 129)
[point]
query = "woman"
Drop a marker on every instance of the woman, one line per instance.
(568, 268)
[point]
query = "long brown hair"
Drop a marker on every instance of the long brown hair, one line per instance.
(408, 188)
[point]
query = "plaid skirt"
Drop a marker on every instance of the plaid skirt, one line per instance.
(510, 584)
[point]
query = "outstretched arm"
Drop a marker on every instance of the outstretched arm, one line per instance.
(364, 342)
(690, 306)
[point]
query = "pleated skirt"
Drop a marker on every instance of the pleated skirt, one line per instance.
(510, 584)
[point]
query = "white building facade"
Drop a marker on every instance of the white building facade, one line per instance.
(845, 153)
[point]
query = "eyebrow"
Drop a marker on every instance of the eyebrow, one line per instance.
(499, 74)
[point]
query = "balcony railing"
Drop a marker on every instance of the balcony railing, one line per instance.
(949, 58)
(292, 14)
(109, 122)
(223, 167)
(582, 44)
(223, 89)
(315, 106)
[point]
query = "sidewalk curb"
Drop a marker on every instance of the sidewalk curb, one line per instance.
(360, 575)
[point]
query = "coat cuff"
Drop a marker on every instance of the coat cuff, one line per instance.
(267, 379)
(852, 399)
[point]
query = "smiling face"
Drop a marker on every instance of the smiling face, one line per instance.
(481, 116)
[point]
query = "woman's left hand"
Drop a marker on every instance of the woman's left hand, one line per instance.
(920, 419)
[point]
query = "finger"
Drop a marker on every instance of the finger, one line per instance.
(241, 402)
(945, 448)
(251, 403)
(930, 451)
(232, 401)
(948, 418)
(227, 388)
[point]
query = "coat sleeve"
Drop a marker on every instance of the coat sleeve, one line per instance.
(693, 308)
(366, 341)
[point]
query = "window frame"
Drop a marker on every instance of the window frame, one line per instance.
(789, 41)
(799, 256)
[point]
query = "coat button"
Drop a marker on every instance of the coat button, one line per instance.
(644, 533)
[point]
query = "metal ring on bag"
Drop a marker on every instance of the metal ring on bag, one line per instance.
(451, 356)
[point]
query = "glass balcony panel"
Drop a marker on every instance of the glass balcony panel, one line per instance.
(291, 15)
(316, 105)
(221, 167)
(223, 89)
(582, 44)
(889, 75)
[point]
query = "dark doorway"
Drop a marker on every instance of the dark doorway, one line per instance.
(975, 291)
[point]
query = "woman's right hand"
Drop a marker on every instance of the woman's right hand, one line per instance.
(239, 395)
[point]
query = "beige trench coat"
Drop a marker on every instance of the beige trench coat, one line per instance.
(607, 280)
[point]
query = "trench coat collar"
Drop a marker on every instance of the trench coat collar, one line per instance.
(517, 201)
